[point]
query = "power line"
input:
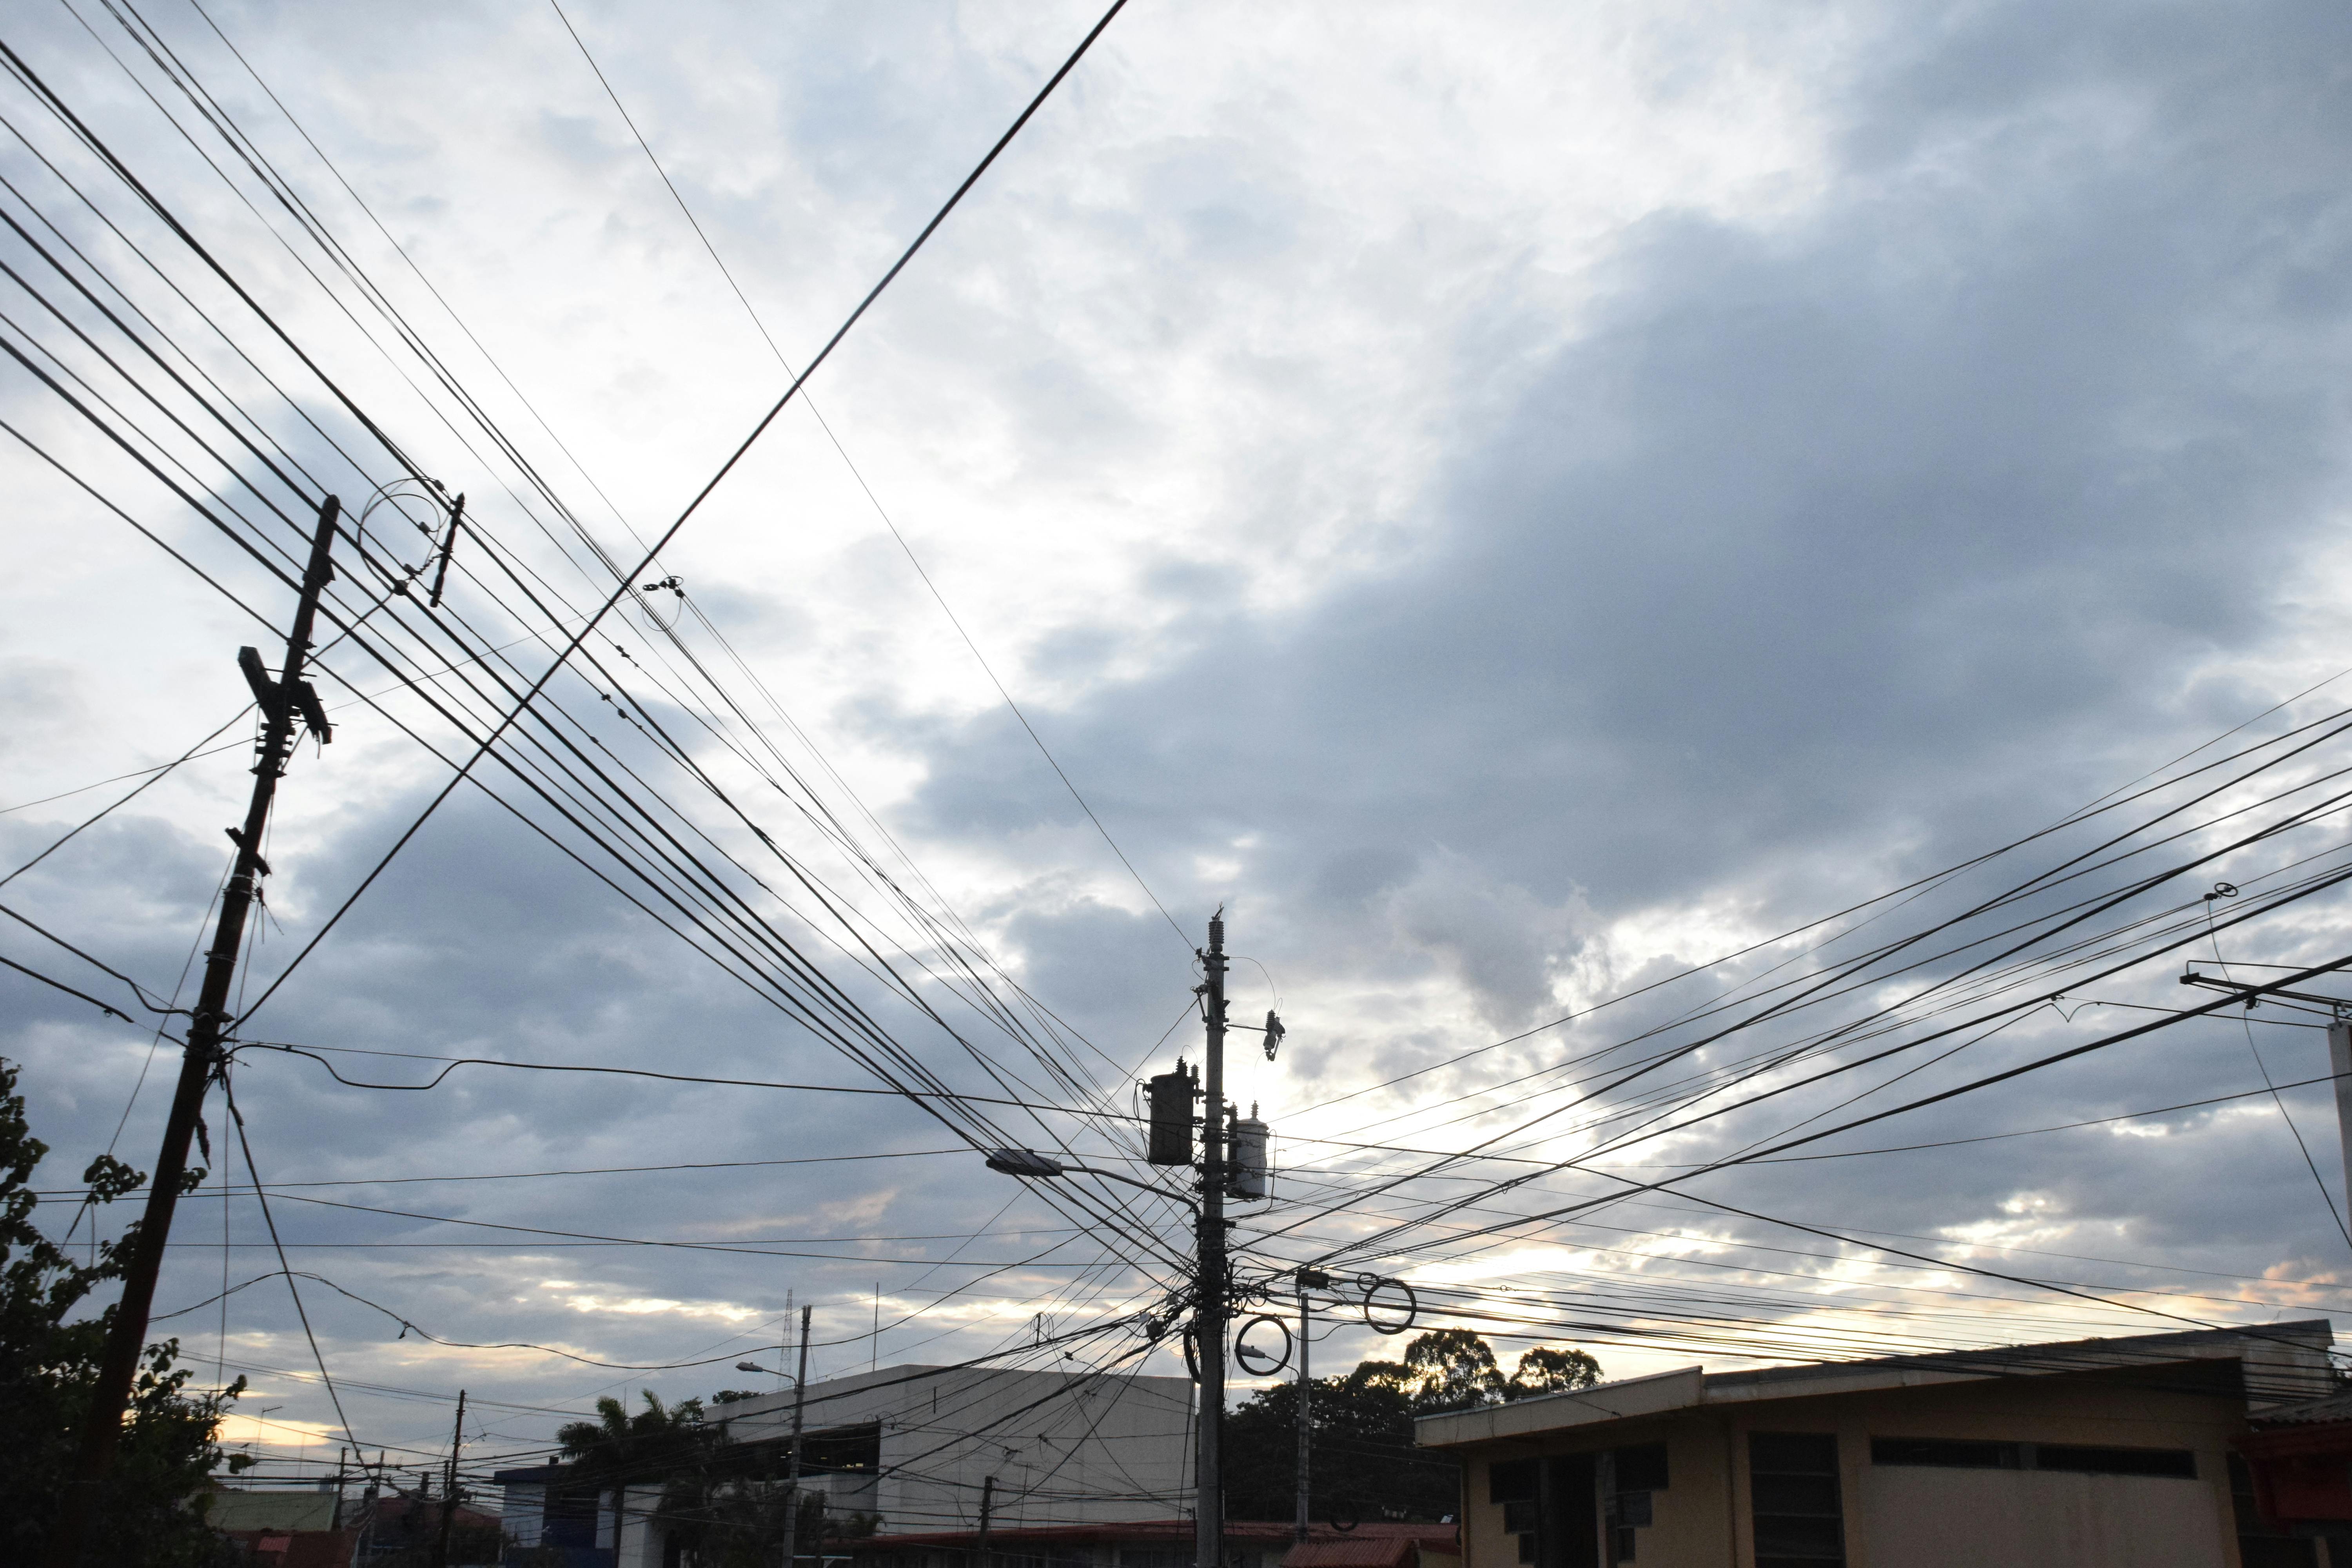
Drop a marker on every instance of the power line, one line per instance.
(887, 522)
(703, 494)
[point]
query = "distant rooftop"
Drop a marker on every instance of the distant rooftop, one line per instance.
(2291, 1358)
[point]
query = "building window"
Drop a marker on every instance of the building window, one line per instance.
(1511, 1480)
(1792, 1486)
(1512, 1483)
(1946, 1453)
(1964, 1454)
(843, 1448)
(2172, 1464)
(1630, 1474)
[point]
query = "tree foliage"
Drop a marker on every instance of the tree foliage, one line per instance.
(1363, 1462)
(620, 1447)
(151, 1515)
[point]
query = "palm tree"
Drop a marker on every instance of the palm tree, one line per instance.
(619, 1449)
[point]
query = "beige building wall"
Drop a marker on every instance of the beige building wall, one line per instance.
(1920, 1516)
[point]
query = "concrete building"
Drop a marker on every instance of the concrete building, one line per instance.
(2116, 1453)
(916, 1445)
(912, 1448)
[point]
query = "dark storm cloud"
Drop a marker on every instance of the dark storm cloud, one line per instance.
(1824, 553)
(1885, 521)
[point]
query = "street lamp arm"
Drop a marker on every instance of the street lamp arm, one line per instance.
(1029, 1165)
(1148, 1187)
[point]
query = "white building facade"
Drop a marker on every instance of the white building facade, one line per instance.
(918, 1445)
(918, 1448)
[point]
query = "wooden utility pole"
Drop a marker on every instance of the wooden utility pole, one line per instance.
(283, 703)
(1209, 1279)
(449, 1487)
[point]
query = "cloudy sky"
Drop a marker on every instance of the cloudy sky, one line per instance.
(1511, 504)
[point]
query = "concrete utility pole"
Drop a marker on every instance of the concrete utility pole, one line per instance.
(793, 1468)
(1209, 1280)
(283, 703)
(1307, 1276)
(449, 1487)
(987, 1507)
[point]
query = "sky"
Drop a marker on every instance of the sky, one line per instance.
(1510, 505)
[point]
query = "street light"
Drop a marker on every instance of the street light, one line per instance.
(751, 1366)
(1025, 1162)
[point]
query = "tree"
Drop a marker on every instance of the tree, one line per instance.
(618, 1447)
(1365, 1464)
(1451, 1369)
(151, 1515)
(730, 1514)
(1544, 1370)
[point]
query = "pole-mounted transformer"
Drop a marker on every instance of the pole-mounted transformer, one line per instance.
(1249, 1163)
(1171, 1095)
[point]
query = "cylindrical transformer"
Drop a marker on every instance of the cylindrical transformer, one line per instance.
(1249, 1178)
(1171, 1117)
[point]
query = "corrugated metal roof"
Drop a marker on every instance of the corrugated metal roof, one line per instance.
(1377, 1551)
(2313, 1413)
(1439, 1537)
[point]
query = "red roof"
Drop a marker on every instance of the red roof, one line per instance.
(1358, 1550)
(1390, 1538)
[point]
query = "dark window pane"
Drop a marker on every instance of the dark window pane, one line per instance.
(1793, 1489)
(1642, 1468)
(2177, 1464)
(1785, 1535)
(1792, 1453)
(1511, 1480)
(1631, 1508)
(1519, 1518)
(2277, 1551)
(1816, 1495)
(1952, 1453)
(1527, 1547)
(1621, 1545)
(850, 1448)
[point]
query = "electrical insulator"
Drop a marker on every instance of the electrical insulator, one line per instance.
(1171, 1117)
(1250, 1179)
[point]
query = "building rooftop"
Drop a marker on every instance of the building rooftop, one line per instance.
(1239, 1529)
(1392, 1548)
(2335, 1407)
(2285, 1364)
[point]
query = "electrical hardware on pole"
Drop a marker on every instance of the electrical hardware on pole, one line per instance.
(282, 702)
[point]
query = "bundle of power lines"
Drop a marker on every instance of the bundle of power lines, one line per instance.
(558, 670)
